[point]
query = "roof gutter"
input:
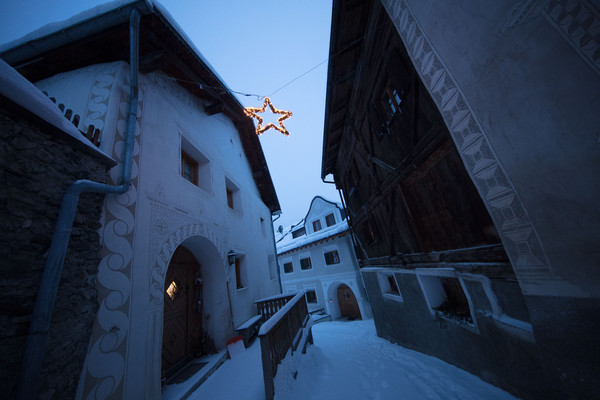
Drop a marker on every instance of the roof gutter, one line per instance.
(31, 366)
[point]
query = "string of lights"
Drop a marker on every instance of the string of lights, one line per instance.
(254, 111)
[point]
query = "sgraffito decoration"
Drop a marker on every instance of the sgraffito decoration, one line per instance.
(254, 111)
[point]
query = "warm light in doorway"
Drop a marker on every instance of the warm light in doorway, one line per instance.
(172, 290)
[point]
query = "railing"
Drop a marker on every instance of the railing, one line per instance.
(286, 329)
(269, 306)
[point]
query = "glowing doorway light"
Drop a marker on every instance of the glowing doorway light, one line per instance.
(173, 290)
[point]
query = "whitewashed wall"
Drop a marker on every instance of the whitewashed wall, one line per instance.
(162, 210)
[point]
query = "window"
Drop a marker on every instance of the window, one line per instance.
(311, 296)
(332, 257)
(189, 168)
(317, 225)
(263, 229)
(233, 195)
(330, 219)
(298, 232)
(305, 263)
(195, 167)
(446, 297)
(389, 286)
(240, 273)
(392, 99)
(288, 268)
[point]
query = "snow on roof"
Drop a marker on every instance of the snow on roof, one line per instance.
(87, 15)
(288, 243)
(18, 89)
(53, 27)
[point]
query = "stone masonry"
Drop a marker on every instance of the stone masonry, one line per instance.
(37, 165)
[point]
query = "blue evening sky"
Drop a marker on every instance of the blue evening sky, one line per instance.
(256, 47)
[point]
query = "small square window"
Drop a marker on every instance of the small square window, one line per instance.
(446, 296)
(389, 286)
(240, 274)
(233, 195)
(298, 232)
(317, 225)
(391, 100)
(288, 268)
(311, 296)
(229, 198)
(195, 167)
(332, 257)
(330, 220)
(189, 168)
(305, 263)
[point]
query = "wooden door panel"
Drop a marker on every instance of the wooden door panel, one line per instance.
(182, 329)
(348, 304)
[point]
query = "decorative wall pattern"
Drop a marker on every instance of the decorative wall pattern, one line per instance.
(506, 209)
(105, 364)
(579, 23)
(97, 104)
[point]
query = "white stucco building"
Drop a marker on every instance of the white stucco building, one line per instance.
(200, 191)
(317, 256)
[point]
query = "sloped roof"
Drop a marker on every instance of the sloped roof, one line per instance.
(101, 35)
(20, 91)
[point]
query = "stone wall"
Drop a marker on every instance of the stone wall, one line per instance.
(504, 358)
(36, 169)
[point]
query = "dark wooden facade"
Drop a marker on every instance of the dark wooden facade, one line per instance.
(406, 189)
(419, 222)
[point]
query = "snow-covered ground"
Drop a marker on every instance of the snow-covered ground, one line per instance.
(348, 361)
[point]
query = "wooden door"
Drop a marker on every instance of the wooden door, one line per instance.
(182, 329)
(348, 304)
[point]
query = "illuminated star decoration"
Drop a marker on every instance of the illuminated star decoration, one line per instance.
(254, 111)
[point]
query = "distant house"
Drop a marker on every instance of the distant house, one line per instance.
(464, 139)
(189, 247)
(317, 256)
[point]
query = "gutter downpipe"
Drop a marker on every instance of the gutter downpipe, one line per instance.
(278, 214)
(33, 358)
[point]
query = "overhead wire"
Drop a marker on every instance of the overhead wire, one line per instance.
(262, 97)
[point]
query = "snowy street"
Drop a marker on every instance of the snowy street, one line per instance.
(348, 361)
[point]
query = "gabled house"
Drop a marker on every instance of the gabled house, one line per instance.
(317, 256)
(189, 247)
(464, 139)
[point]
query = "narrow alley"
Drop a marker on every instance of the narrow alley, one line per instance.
(347, 361)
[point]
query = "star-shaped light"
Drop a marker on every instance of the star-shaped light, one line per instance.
(254, 111)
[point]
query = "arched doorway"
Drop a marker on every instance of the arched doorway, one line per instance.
(347, 302)
(182, 328)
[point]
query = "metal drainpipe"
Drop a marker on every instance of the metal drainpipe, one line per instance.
(278, 213)
(33, 358)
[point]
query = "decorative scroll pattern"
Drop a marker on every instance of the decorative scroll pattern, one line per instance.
(169, 229)
(579, 23)
(97, 104)
(506, 209)
(105, 365)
